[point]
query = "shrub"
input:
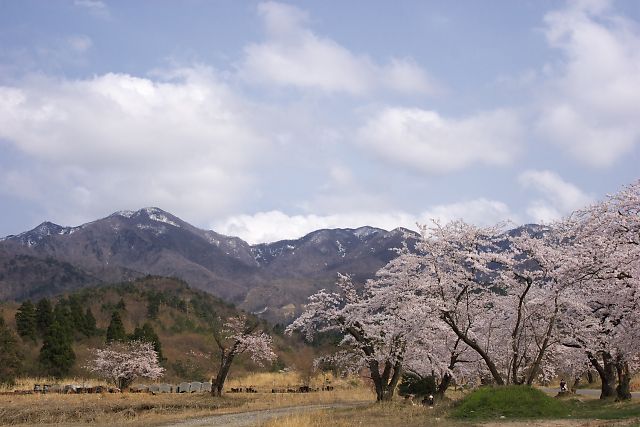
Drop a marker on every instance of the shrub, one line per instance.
(415, 384)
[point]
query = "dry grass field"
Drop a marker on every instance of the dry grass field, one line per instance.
(374, 415)
(131, 409)
(143, 409)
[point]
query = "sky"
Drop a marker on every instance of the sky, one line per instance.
(267, 120)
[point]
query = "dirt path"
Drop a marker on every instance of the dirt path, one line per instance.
(251, 418)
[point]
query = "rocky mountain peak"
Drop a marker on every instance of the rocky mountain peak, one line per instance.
(129, 244)
(151, 214)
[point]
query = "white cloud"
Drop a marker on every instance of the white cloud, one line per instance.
(294, 56)
(95, 7)
(115, 141)
(559, 197)
(275, 225)
(478, 211)
(591, 103)
(426, 141)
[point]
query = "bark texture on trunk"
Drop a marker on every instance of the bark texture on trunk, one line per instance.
(385, 383)
(444, 385)
(218, 383)
(623, 390)
(607, 373)
(226, 359)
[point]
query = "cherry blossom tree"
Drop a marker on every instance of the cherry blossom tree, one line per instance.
(238, 335)
(384, 331)
(121, 363)
(433, 349)
(497, 293)
(605, 267)
(529, 304)
(375, 332)
(540, 296)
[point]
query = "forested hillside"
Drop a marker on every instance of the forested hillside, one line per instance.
(53, 336)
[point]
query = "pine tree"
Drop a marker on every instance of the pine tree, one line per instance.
(26, 320)
(147, 334)
(153, 305)
(10, 357)
(56, 355)
(89, 323)
(62, 315)
(44, 316)
(115, 331)
(76, 313)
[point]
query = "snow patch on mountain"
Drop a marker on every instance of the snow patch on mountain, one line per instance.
(365, 232)
(156, 230)
(34, 237)
(125, 214)
(156, 214)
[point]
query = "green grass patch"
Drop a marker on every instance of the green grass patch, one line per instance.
(604, 410)
(510, 402)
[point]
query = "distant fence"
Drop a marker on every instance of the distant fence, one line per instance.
(183, 387)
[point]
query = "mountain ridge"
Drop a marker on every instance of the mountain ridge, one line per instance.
(128, 244)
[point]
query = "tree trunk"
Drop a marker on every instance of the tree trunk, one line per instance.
(545, 344)
(446, 317)
(607, 374)
(590, 378)
(444, 385)
(576, 384)
(124, 383)
(225, 366)
(623, 391)
(515, 342)
(385, 383)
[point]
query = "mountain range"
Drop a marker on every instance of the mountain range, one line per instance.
(272, 279)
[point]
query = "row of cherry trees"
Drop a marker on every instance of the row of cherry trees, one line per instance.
(469, 303)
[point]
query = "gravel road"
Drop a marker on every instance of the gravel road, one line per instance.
(251, 418)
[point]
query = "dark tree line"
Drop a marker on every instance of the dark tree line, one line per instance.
(10, 357)
(58, 326)
(145, 333)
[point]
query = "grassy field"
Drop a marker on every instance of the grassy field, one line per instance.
(142, 409)
(500, 406)
(518, 406)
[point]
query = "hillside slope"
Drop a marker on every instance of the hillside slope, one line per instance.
(183, 318)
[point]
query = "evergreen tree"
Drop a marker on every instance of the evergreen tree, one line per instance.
(115, 331)
(56, 355)
(89, 323)
(153, 305)
(76, 314)
(10, 357)
(26, 320)
(62, 315)
(44, 316)
(147, 334)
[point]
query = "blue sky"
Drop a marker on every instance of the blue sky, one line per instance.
(271, 119)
